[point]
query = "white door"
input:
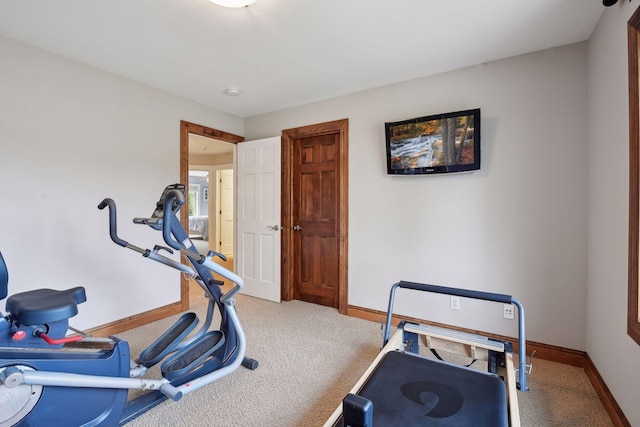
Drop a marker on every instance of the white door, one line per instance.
(258, 217)
(225, 211)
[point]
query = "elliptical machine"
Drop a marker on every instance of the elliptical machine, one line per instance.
(49, 378)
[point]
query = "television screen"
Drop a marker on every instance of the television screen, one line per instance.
(434, 144)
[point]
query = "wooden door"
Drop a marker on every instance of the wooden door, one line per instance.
(315, 242)
(314, 214)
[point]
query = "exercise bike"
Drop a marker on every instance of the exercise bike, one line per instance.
(50, 378)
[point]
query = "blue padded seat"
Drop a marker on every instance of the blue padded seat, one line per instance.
(41, 305)
(404, 386)
(45, 305)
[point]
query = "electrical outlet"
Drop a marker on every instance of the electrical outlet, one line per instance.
(508, 311)
(455, 303)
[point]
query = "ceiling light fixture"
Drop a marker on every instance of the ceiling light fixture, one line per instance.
(608, 3)
(232, 91)
(233, 3)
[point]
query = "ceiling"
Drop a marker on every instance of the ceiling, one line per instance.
(285, 53)
(204, 146)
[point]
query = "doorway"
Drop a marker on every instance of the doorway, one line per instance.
(314, 213)
(202, 149)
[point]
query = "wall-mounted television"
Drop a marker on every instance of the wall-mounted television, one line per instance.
(440, 143)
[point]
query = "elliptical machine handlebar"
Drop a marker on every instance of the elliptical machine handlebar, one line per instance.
(165, 217)
(173, 196)
(113, 227)
(152, 254)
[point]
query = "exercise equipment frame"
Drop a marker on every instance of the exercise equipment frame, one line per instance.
(359, 411)
(50, 378)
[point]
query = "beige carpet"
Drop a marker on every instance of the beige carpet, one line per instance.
(310, 356)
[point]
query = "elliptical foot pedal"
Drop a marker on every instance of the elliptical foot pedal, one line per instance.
(193, 355)
(169, 340)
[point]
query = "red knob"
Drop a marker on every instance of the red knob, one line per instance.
(19, 335)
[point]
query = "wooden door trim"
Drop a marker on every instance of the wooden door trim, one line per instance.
(185, 129)
(341, 128)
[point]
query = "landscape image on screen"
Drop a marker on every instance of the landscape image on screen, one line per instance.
(432, 143)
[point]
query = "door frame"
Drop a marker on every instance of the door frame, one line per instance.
(341, 128)
(185, 129)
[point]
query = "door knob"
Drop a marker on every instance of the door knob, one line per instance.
(274, 227)
(297, 228)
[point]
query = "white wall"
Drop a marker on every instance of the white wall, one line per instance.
(517, 226)
(71, 135)
(616, 356)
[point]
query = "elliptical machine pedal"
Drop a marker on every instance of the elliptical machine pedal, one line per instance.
(168, 341)
(193, 355)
